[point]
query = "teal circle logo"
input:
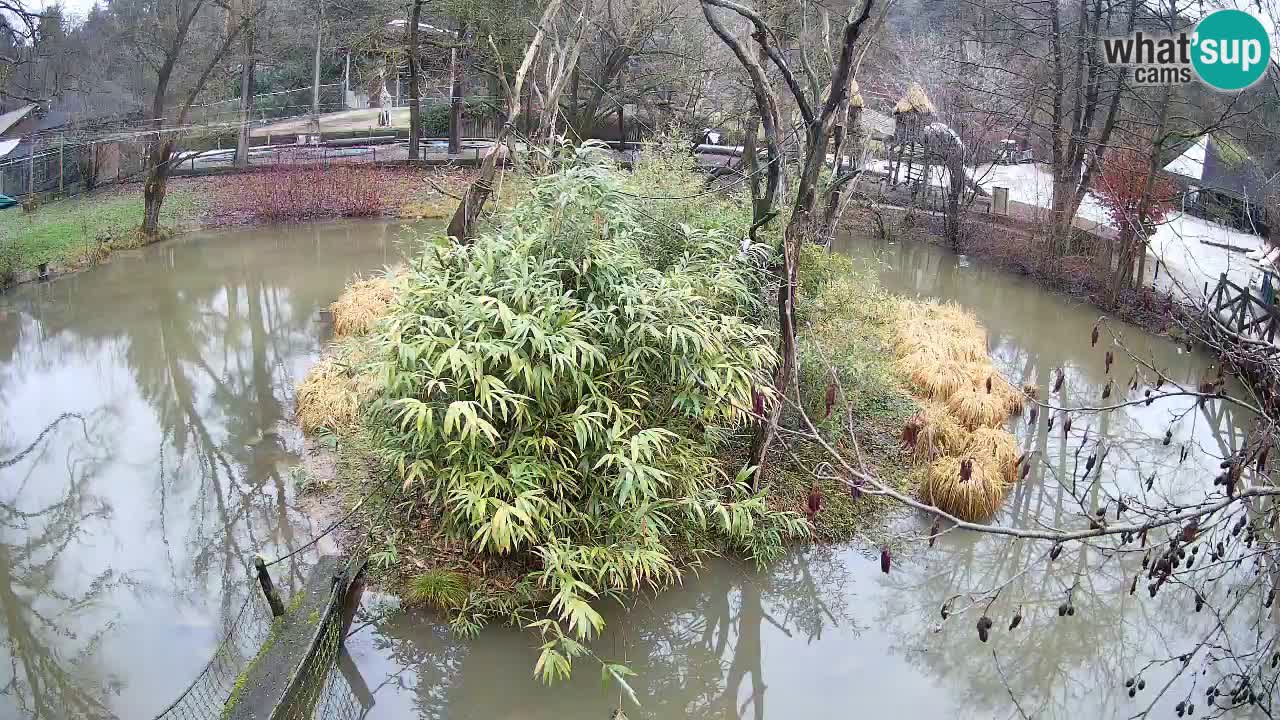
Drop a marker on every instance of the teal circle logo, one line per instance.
(1231, 50)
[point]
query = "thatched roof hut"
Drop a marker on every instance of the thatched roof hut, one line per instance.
(915, 101)
(855, 97)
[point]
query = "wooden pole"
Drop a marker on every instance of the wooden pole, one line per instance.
(62, 141)
(268, 587)
(622, 130)
(455, 94)
(31, 168)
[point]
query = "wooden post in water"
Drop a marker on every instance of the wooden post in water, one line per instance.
(268, 587)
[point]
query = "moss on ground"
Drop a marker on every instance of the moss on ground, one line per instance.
(82, 229)
(846, 327)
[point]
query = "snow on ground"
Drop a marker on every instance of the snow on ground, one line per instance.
(937, 174)
(1178, 242)
(1032, 184)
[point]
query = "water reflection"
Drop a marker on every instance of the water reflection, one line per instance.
(699, 651)
(125, 532)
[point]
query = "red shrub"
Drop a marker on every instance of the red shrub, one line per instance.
(1120, 186)
(293, 194)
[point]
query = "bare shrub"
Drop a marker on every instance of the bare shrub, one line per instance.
(295, 194)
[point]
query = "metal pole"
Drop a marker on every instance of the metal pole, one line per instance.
(268, 587)
(315, 88)
(346, 79)
(62, 141)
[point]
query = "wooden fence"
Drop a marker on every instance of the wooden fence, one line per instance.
(1242, 312)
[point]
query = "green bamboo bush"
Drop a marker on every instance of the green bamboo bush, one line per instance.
(563, 397)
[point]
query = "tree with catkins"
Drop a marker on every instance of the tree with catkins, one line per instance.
(984, 628)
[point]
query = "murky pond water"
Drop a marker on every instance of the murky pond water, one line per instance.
(125, 531)
(159, 387)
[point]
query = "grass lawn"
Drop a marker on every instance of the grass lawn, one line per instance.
(68, 232)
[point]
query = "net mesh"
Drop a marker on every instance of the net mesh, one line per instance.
(328, 688)
(208, 693)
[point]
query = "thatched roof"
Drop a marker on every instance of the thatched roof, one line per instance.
(914, 101)
(855, 97)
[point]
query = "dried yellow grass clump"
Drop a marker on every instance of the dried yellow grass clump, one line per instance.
(996, 446)
(933, 374)
(327, 397)
(361, 306)
(974, 498)
(976, 408)
(915, 101)
(1009, 397)
(934, 432)
(942, 350)
(942, 328)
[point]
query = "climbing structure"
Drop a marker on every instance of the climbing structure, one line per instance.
(913, 116)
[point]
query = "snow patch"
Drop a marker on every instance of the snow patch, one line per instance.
(1190, 163)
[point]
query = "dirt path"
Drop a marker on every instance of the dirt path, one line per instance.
(345, 121)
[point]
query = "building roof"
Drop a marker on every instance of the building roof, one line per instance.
(1219, 165)
(422, 27)
(7, 146)
(13, 117)
(1190, 164)
(915, 101)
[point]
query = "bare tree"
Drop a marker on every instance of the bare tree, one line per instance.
(415, 79)
(183, 43)
(820, 106)
(248, 65)
(463, 224)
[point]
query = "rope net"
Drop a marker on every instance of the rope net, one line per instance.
(207, 695)
(329, 691)
(328, 688)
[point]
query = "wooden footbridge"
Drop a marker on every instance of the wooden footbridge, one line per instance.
(1247, 313)
(283, 658)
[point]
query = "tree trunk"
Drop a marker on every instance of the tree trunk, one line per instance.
(574, 83)
(1140, 278)
(153, 190)
(455, 95)
(955, 192)
(799, 229)
(462, 225)
(1124, 268)
(415, 110)
(246, 101)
